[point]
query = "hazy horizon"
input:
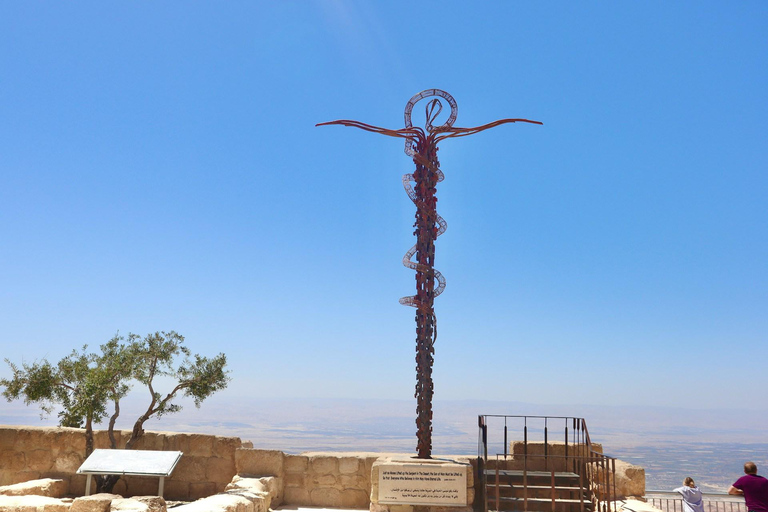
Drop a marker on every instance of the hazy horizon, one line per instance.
(670, 443)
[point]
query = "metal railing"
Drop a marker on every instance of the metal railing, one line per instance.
(544, 449)
(669, 501)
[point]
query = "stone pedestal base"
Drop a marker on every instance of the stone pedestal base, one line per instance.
(421, 485)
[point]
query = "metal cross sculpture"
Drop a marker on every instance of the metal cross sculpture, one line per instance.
(421, 145)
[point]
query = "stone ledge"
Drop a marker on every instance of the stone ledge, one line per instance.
(34, 504)
(48, 487)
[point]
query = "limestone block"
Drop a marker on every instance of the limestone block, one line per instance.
(150, 441)
(7, 437)
(324, 480)
(369, 461)
(354, 498)
(274, 488)
(176, 490)
(273, 483)
(24, 476)
(297, 496)
(226, 446)
(101, 440)
(141, 485)
(295, 480)
(39, 460)
(95, 503)
(553, 448)
(139, 504)
(378, 507)
(28, 439)
(52, 488)
(630, 480)
(353, 482)
(296, 463)
(200, 445)
(219, 470)
(33, 504)
(68, 463)
(77, 484)
(249, 461)
(255, 485)
(218, 503)
(247, 444)
(199, 490)
(128, 505)
(349, 465)
(13, 460)
(260, 491)
(71, 439)
(176, 442)
(324, 464)
(190, 469)
(260, 500)
(325, 497)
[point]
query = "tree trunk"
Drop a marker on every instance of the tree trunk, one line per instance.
(105, 483)
(88, 437)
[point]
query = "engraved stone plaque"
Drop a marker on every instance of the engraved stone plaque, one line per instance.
(423, 484)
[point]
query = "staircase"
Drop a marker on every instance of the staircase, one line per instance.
(566, 475)
(516, 490)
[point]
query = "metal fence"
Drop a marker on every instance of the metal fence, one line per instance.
(555, 445)
(713, 502)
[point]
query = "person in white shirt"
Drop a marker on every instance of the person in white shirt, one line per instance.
(692, 500)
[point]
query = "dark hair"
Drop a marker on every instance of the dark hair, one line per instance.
(750, 468)
(689, 482)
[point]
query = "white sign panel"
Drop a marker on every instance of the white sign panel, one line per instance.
(423, 484)
(130, 462)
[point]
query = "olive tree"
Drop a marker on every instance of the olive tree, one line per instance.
(88, 387)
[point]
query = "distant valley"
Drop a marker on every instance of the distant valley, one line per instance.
(709, 445)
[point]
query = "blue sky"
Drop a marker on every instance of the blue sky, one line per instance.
(161, 170)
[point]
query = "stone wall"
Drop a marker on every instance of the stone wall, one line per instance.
(314, 479)
(29, 453)
(209, 463)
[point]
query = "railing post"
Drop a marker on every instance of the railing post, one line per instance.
(498, 488)
(552, 488)
(613, 474)
(546, 445)
(581, 490)
(566, 446)
(606, 476)
(505, 437)
(525, 485)
(525, 445)
(482, 462)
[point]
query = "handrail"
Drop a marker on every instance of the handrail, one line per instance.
(720, 494)
(595, 470)
(717, 502)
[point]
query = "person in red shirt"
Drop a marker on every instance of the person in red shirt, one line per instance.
(753, 487)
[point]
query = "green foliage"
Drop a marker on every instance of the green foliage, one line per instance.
(84, 384)
(197, 378)
(80, 383)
